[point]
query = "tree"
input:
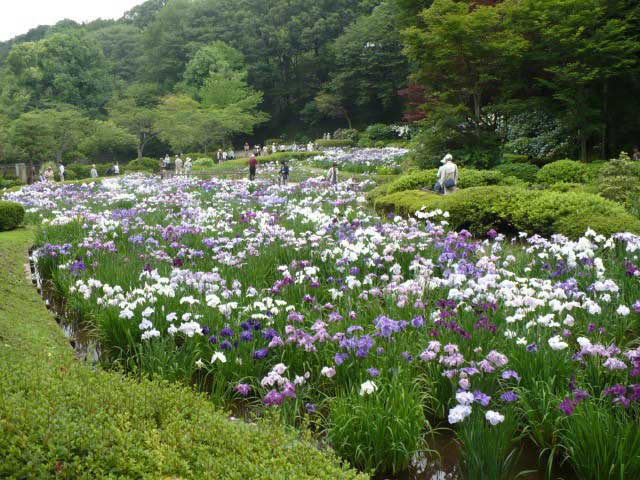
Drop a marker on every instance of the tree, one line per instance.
(370, 67)
(332, 105)
(66, 67)
(581, 51)
(136, 113)
(215, 58)
(122, 47)
(466, 55)
(49, 133)
(106, 136)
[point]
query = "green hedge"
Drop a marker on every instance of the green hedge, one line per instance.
(11, 215)
(60, 418)
(513, 209)
(567, 171)
(467, 178)
(524, 171)
(146, 165)
(345, 142)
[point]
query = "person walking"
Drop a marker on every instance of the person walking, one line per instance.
(448, 175)
(224, 156)
(116, 169)
(231, 155)
(284, 173)
(32, 174)
(246, 148)
(332, 175)
(179, 165)
(274, 149)
(94, 172)
(61, 171)
(253, 165)
(187, 166)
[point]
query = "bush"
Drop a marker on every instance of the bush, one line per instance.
(277, 141)
(334, 143)
(203, 163)
(513, 209)
(468, 178)
(11, 215)
(620, 181)
(379, 431)
(346, 134)
(568, 171)
(9, 182)
(146, 164)
(524, 171)
(77, 171)
(380, 131)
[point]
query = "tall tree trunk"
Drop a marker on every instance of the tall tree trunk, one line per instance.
(59, 156)
(347, 117)
(603, 149)
(140, 150)
(583, 148)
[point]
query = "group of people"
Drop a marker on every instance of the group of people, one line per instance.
(182, 167)
(223, 155)
(49, 175)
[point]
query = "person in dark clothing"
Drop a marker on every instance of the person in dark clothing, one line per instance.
(284, 172)
(253, 164)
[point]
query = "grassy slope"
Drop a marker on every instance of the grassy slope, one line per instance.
(60, 418)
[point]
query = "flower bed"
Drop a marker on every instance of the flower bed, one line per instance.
(303, 300)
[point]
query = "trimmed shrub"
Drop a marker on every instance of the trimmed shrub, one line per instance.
(512, 209)
(11, 215)
(620, 181)
(524, 171)
(9, 182)
(468, 178)
(380, 131)
(77, 171)
(568, 171)
(334, 143)
(346, 134)
(145, 165)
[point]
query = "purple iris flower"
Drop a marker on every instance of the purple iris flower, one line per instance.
(260, 354)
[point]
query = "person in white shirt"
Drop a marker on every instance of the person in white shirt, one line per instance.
(94, 172)
(179, 164)
(187, 166)
(61, 172)
(273, 147)
(447, 175)
(116, 169)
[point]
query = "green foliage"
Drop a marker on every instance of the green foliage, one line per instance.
(380, 131)
(524, 171)
(468, 177)
(620, 181)
(514, 209)
(602, 442)
(489, 451)
(66, 67)
(568, 171)
(106, 136)
(380, 431)
(11, 215)
(346, 134)
(333, 143)
(48, 134)
(145, 164)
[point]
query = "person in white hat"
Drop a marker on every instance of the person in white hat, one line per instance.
(447, 175)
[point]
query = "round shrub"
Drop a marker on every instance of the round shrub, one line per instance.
(467, 178)
(334, 143)
(346, 134)
(568, 171)
(77, 171)
(380, 131)
(414, 181)
(145, 165)
(513, 209)
(11, 215)
(524, 171)
(620, 181)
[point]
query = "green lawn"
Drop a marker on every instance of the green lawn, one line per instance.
(60, 418)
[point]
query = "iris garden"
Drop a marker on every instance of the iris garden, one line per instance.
(382, 336)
